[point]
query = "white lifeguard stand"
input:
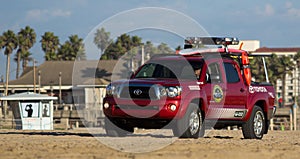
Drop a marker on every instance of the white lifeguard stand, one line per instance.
(31, 111)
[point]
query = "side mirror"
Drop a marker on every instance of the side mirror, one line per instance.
(207, 78)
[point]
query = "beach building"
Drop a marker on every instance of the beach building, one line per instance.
(79, 85)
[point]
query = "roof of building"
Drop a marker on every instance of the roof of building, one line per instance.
(72, 73)
(28, 96)
(27, 69)
(266, 49)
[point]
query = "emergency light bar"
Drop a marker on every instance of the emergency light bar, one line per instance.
(191, 42)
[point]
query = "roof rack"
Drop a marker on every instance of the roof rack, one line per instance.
(163, 55)
(199, 51)
(197, 42)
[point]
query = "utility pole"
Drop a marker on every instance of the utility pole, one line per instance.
(34, 81)
(39, 76)
(295, 103)
(59, 76)
(6, 87)
(295, 100)
(143, 54)
(51, 87)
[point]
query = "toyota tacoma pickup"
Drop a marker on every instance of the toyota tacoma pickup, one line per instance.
(197, 89)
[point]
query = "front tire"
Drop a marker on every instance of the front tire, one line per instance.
(190, 126)
(255, 127)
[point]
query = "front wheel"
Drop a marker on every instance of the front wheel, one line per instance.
(190, 126)
(255, 127)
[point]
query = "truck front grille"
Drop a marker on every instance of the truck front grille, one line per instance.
(138, 92)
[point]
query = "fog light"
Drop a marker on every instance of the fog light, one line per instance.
(173, 107)
(106, 105)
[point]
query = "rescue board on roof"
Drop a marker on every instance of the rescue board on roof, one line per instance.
(192, 42)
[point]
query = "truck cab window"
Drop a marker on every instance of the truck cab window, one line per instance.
(213, 74)
(232, 75)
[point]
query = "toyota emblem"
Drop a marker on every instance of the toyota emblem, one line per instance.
(137, 92)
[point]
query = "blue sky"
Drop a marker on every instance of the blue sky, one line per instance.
(274, 23)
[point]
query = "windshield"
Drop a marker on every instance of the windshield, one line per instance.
(178, 69)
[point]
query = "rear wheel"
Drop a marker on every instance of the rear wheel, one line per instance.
(190, 126)
(255, 127)
(114, 130)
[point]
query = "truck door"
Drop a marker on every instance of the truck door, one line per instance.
(235, 88)
(214, 85)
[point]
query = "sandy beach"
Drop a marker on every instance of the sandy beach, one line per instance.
(81, 143)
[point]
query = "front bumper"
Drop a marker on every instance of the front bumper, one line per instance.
(155, 109)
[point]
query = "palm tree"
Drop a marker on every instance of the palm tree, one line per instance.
(257, 69)
(164, 49)
(27, 38)
(9, 44)
(102, 39)
(281, 67)
(25, 58)
(64, 52)
(71, 50)
(50, 44)
(117, 49)
(113, 51)
(1, 42)
(297, 59)
(278, 68)
(126, 42)
(77, 47)
(135, 41)
(150, 49)
(272, 69)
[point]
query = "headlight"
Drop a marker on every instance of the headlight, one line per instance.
(173, 91)
(162, 91)
(111, 89)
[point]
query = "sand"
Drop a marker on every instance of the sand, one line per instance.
(80, 143)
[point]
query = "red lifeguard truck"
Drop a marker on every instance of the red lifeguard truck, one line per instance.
(191, 91)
